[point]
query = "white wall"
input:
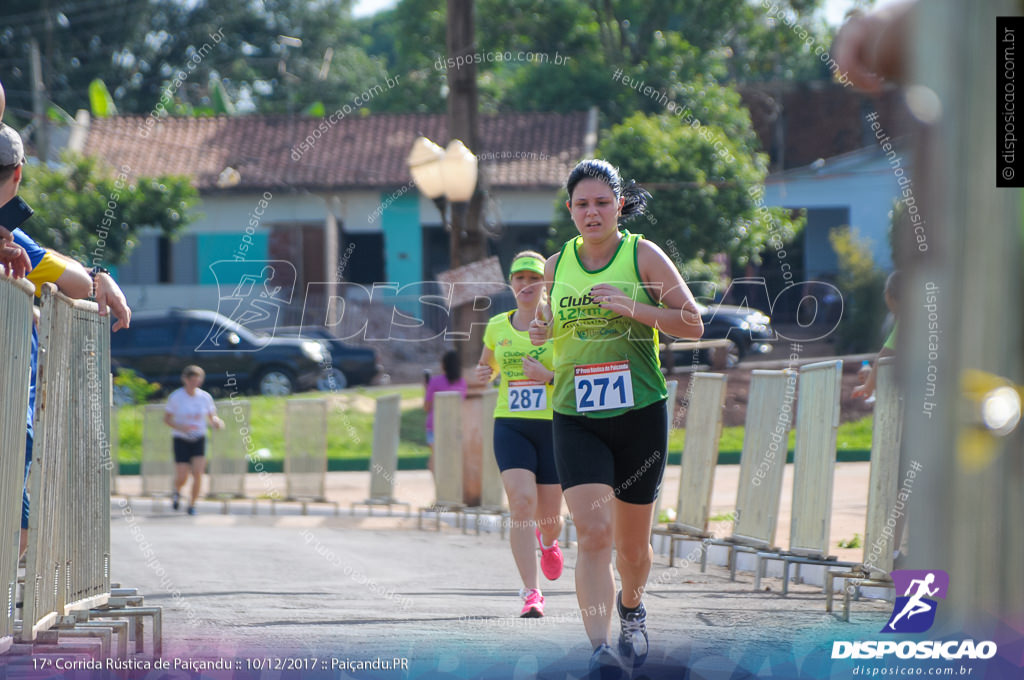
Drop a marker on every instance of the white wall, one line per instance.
(229, 213)
(868, 190)
(356, 209)
(514, 207)
(149, 298)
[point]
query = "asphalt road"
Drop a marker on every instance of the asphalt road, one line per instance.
(314, 593)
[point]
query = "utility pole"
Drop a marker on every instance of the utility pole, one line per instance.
(468, 243)
(39, 103)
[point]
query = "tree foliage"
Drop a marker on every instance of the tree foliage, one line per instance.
(78, 42)
(88, 211)
(863, 286)
(137, 47)
(652, 69)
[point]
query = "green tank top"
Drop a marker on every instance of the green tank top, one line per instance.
(518, 396)
(605, 363)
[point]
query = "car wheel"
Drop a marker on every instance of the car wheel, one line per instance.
(725, 357)
(332, 380)
(275, 382)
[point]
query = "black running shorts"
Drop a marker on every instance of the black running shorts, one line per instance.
(186, 449)
(526, 443)
(626, 452)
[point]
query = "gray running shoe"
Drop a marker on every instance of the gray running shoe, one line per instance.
(633, 638)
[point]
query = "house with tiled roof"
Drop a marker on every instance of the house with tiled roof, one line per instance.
(337, 201)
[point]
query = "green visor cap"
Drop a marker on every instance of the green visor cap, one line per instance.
(527, 264)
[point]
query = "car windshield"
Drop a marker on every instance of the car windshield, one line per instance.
(229, 325)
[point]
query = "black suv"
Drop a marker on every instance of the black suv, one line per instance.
(748, 330)
(159, 345)
(349, 365)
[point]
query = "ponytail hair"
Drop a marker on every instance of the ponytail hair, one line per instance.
(594, 168)
(452, 367)
(636, 201)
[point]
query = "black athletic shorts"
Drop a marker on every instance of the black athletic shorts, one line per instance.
(526, 443)
(187, 449)
(626, 452)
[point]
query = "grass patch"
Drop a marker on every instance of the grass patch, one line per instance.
(350, 429)
(851, 439)
(854, 542)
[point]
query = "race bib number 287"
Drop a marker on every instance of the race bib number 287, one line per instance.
(526, 395)
(600, 387)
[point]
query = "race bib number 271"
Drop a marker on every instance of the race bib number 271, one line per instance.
(600, 387)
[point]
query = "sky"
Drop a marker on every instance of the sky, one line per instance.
(834, 9)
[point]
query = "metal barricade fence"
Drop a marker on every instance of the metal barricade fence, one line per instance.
(87, 482)
(227, 461)
(157, 467)
(47, 539)
(15, 338)
(448, 456)
(115, 448)
(305, 458)
(492, 490)
(384, 459)
(448, 448)
(387, 423)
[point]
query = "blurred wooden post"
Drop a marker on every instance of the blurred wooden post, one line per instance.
(384, 458)
(492, 491)
(967, 500)
(448, 448)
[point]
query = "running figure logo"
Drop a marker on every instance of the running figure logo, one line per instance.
(255, 299)
(914, 612)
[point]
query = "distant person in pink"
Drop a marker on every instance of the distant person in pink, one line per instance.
(450, 381)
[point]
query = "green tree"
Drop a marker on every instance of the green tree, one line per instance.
(668, 45)
(275, 56)
(138, 47)
(409, 39)
(86, 210)
(78, 43)
(863, 287)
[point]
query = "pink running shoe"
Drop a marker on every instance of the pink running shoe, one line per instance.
(534, 606)
(550, 559)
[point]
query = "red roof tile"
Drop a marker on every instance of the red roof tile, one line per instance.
(519, 150)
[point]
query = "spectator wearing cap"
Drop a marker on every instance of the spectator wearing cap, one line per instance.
(48, 266)
(13, 259)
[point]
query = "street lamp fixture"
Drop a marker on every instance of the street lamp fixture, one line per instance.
(449, 178)
(443, 175)
(458, 168)
(425, 167)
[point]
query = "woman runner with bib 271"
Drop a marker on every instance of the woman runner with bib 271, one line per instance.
(610, 294)
(522, 430)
